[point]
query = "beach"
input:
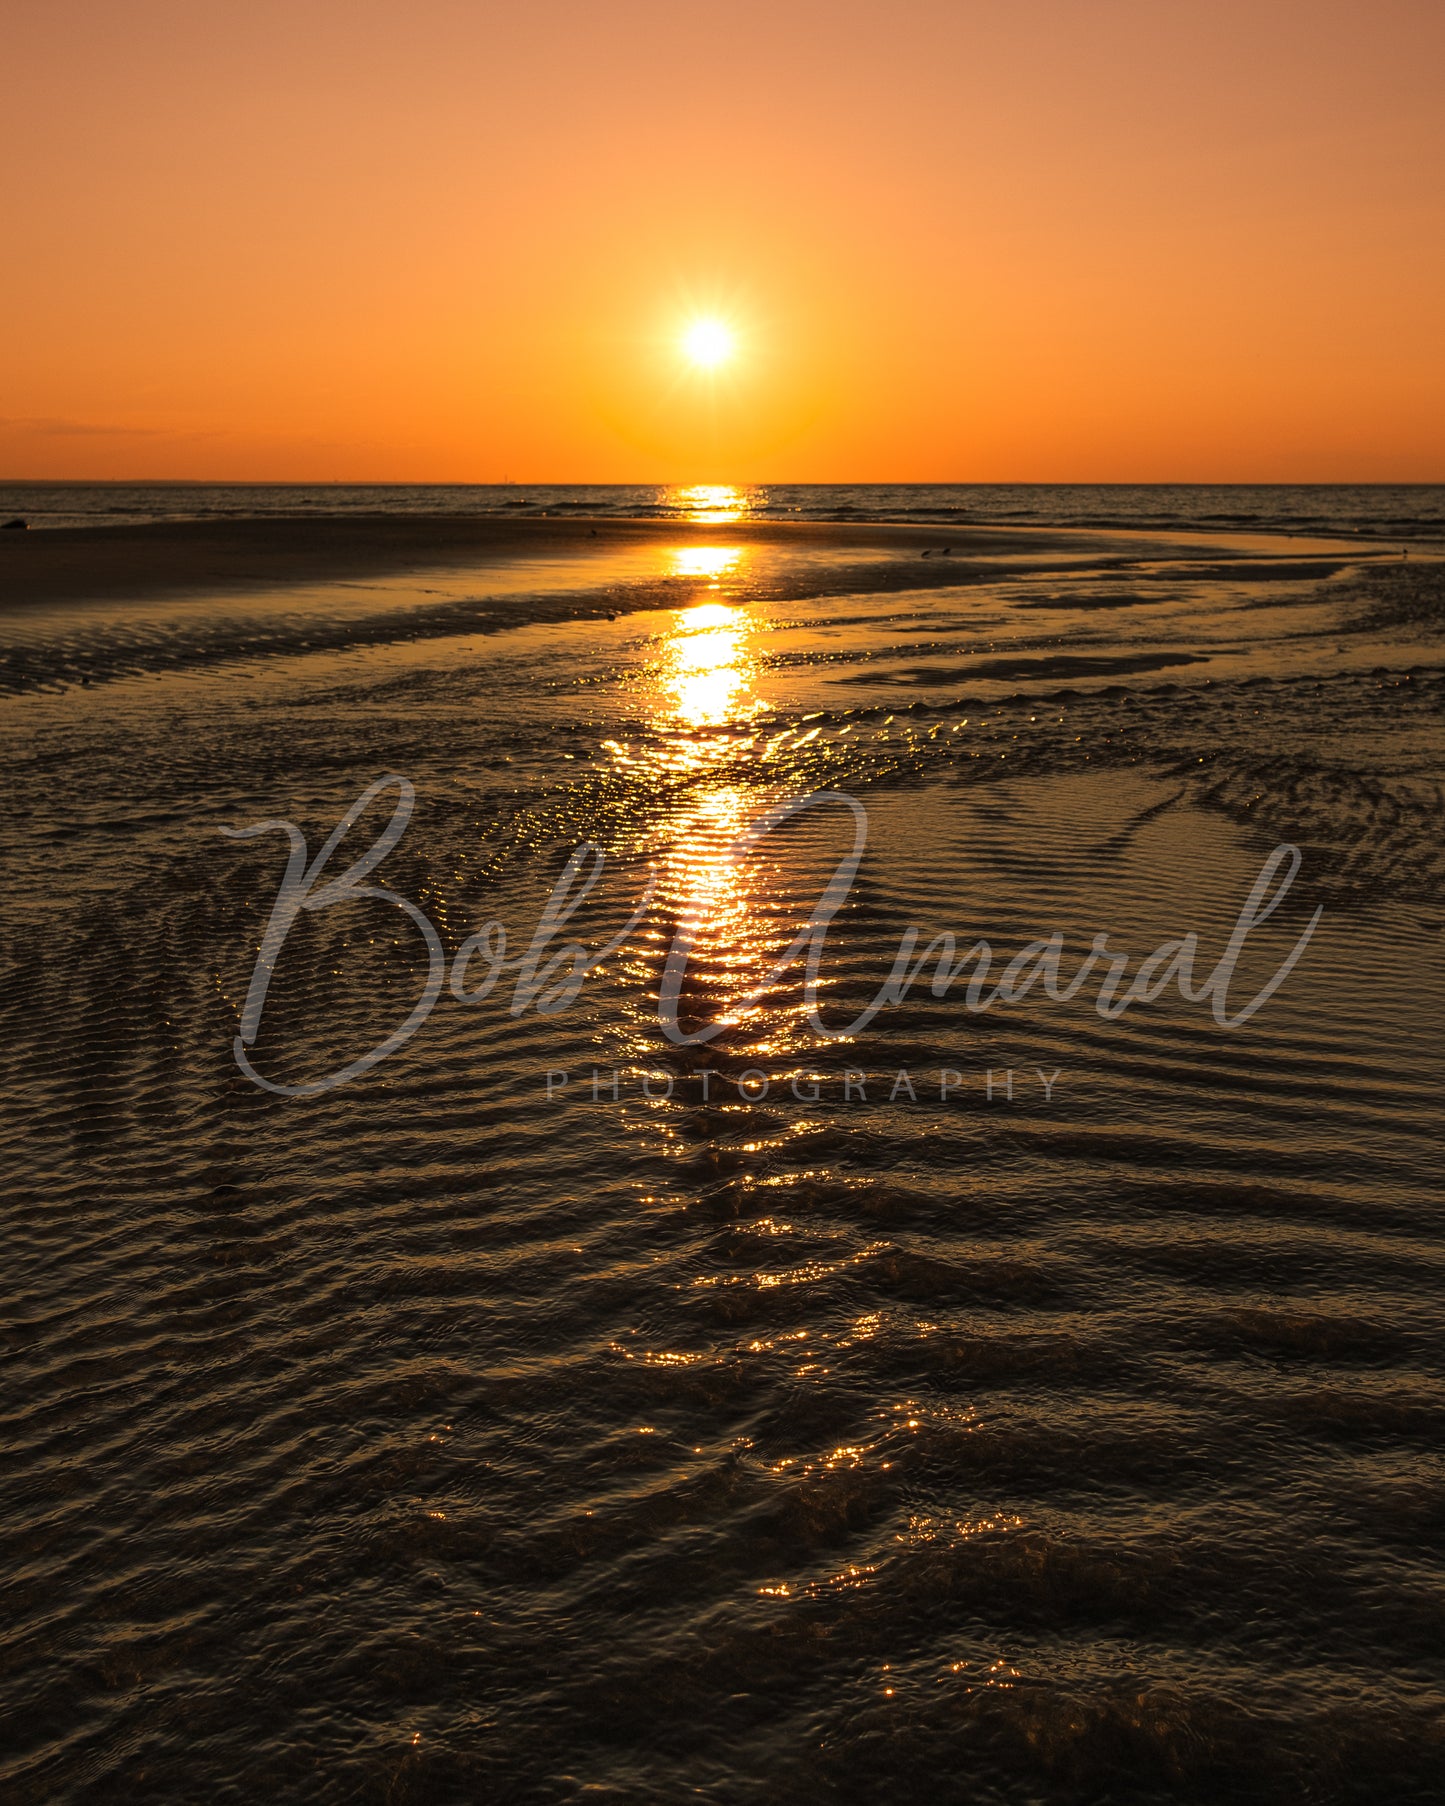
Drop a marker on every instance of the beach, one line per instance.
(744, 1396)
(201, 558)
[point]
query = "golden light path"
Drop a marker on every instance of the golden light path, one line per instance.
(712, 562)
(710, 504)
(702, 717)
(708, 665)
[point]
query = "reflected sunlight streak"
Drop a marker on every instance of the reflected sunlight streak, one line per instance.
(701, 715)
(711, 674)
(709, 503)
(715, 562)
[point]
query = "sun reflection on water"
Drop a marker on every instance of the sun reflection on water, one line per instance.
(708, 503)
(713, 562)
(708, 677)
(698, 762)
(709, 672)
(713, 889)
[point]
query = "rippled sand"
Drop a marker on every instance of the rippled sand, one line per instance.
(1063, 1438)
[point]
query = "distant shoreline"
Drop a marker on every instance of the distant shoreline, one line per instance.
(203, 558)
(538, 483)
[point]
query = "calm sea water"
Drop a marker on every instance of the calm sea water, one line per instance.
(778, 1428)
(1390, 511)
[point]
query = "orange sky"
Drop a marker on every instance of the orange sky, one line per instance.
(1030, 240)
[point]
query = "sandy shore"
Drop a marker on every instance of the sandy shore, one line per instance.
(78, 564)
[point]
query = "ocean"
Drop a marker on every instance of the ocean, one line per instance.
(596, 1307)
(1376, 511)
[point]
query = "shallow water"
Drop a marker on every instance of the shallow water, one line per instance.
(1069, 1436)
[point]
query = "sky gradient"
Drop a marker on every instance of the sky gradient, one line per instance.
(1047, 240)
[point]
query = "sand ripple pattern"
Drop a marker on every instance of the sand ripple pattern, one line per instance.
(426, 1442)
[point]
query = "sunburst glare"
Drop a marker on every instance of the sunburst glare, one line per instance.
(708, 343)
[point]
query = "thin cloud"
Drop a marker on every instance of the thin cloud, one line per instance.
(48, 428)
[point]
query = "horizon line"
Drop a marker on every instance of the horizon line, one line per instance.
(772, 483)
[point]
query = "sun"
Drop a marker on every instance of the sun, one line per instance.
(707, 343)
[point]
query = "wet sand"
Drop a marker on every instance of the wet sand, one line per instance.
(78, 564)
